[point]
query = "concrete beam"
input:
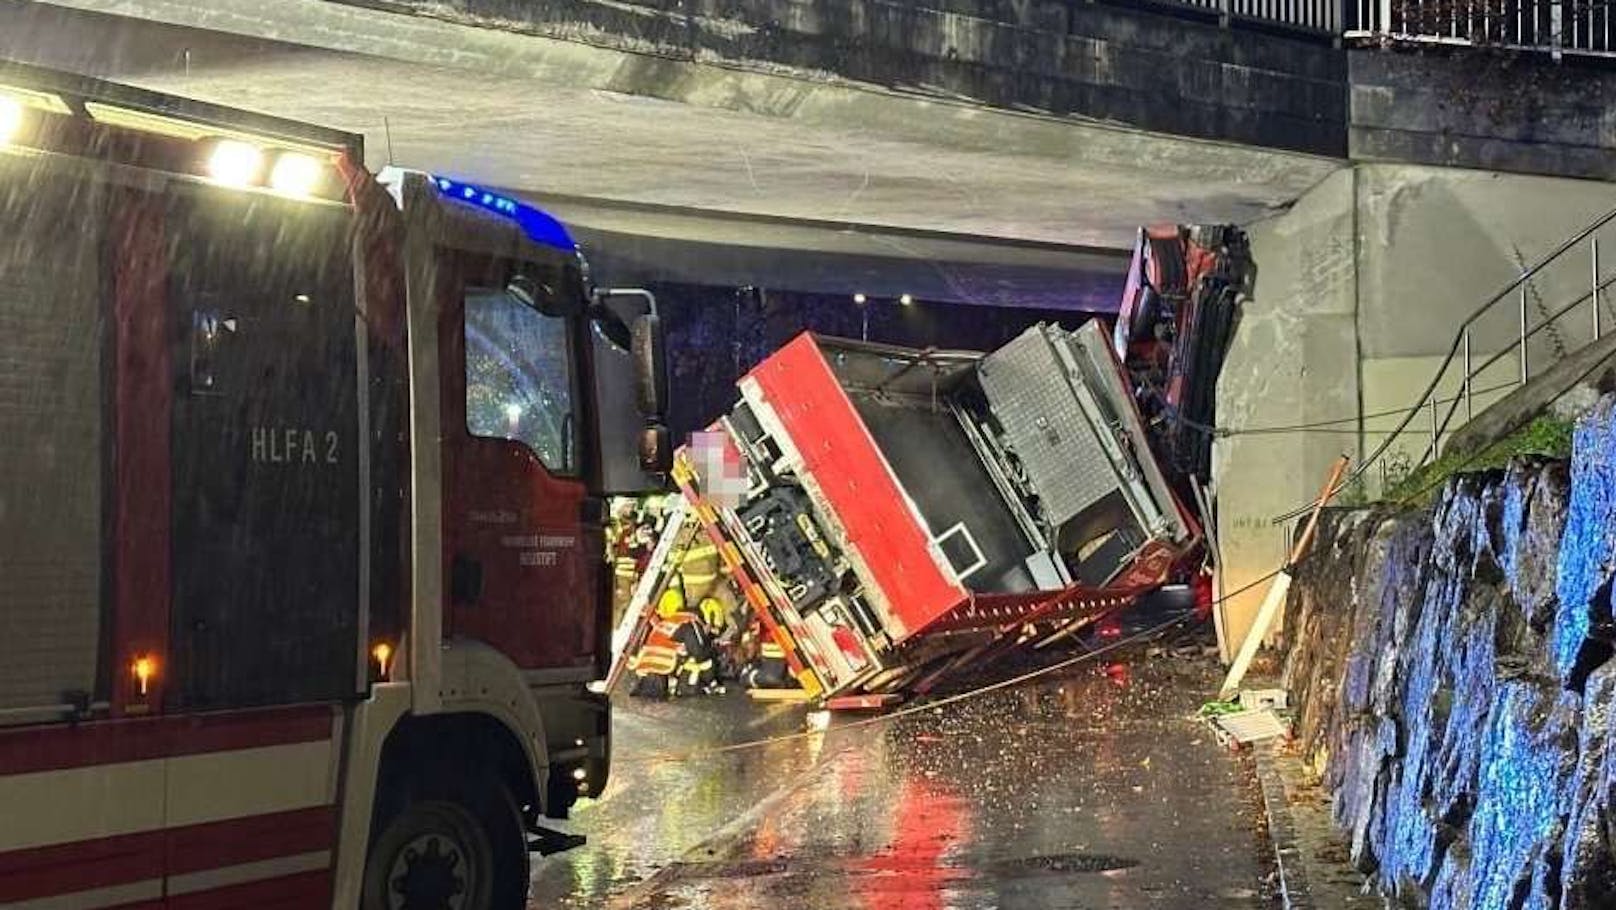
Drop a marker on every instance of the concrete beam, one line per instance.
(549, 115)
(630, 243)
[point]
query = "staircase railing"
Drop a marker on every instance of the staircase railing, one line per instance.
(1516, 292)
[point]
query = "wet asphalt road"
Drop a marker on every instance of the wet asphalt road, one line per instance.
(1094, 789)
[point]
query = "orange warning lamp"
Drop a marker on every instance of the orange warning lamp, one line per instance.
(383, 653)
(145, 668)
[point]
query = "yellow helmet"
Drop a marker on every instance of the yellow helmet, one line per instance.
(712, 611)
(672, 601)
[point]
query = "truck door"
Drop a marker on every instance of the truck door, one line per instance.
(519, 556)
(265, 549)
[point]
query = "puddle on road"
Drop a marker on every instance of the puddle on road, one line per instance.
(845, 866)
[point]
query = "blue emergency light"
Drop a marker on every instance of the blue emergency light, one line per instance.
(539, 226)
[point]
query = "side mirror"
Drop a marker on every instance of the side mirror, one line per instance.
(656, 449)
(650, 366)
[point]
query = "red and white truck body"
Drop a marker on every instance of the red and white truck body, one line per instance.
(301, 566)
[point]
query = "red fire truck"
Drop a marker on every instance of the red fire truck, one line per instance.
(301, 472)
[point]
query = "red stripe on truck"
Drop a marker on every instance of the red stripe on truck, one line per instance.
(108, 861)
(248, 840)
(25, 750)
(80, 866)
(302, 891)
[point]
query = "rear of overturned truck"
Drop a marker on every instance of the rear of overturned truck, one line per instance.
(907, 504)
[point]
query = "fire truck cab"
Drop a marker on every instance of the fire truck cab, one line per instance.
(302, 579)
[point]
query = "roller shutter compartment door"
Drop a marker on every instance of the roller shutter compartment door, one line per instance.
(51, 443)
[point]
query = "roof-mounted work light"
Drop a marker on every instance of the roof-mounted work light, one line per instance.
(296, 174)
(11, 114)
(235, 163)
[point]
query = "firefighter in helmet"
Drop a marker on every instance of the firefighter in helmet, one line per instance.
(678, 656)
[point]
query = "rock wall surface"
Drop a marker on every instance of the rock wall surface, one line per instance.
(1454, 673)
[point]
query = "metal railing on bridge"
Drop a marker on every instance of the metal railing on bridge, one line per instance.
(1553, 27)
(1319, 17)
(1556, 27)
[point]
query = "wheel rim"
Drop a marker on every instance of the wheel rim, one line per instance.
(433, 871)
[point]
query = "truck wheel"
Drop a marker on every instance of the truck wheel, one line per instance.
(443, 852)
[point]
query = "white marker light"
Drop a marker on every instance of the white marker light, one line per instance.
(859, 298)
(11, 113)
(235, 163)
(906, 299)
(295, 174)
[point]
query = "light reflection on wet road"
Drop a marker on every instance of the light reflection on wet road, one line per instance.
(1094, 790)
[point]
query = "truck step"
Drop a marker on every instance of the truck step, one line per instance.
(547, 842)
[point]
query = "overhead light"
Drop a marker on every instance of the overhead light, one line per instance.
(296, 174)
(906, 299)
(859, 298)
(235, 163)
(11, 113)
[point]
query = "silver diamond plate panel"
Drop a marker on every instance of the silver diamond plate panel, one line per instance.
(1028, 390)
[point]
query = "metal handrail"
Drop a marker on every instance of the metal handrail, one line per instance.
(1461, 339)
(1439, 429)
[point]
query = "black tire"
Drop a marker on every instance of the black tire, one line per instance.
(447, 850)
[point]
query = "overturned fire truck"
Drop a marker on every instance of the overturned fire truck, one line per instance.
(910, 512)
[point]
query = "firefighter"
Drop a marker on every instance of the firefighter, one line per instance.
(718, 618)
(678, 656)
(769, 670)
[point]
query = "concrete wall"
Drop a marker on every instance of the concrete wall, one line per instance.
(1437, 242)
(1124, 66)
(1293, 361)
(1361, 286)
(1120, 63)
(1390, 383)
(1506, 112)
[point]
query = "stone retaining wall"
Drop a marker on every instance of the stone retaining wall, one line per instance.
(1454, 676)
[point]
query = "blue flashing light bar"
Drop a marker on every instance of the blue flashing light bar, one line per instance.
(539, 226)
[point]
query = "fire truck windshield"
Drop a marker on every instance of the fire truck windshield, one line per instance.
(519, 382)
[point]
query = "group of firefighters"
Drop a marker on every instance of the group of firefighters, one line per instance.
(703, 636)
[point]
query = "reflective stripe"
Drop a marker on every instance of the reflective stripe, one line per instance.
(56, 807)
(653, 660)
(280, 866)
(705, 551)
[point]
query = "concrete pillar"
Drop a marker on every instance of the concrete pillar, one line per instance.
(1294, 361)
